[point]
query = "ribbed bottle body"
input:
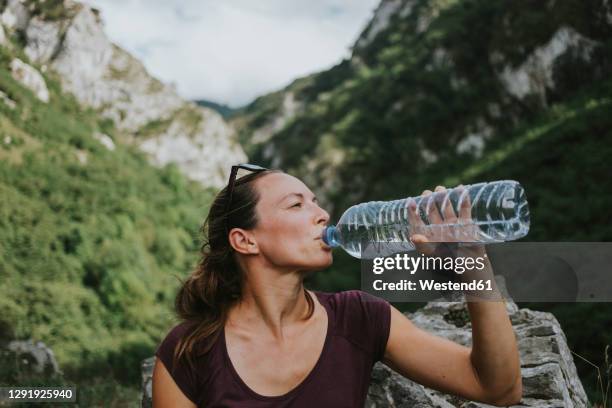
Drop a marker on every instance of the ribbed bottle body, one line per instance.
(483, 212)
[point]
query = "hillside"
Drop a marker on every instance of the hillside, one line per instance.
(448, 92)
(429, 84)
(106, 173)
(93, 238)
(68, 38)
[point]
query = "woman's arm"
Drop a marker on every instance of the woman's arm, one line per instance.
(490, 370)
(166, 394)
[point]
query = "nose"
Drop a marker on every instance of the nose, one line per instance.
(322, 216)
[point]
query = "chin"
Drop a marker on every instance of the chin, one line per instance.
(325, 262)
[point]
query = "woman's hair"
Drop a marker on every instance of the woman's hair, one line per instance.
(206, 296)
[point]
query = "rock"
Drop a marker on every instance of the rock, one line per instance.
(29, 77)
(535, 75)
(15, 15)
(476, 137)
(7, 101)
(82, 156)
(147, 383)
(287, 111)
(382, 17)
(549, 374)
(4, 42)
(43, 39)
(105, 140)
(380, 21)
(193, 149)
(35, 355)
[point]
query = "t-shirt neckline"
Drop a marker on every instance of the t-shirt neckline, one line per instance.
(322, 299)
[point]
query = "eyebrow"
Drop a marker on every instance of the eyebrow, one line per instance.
(314, 198)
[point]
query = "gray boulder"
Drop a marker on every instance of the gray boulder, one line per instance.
(29, 77)
(549, 374)
(34, 356)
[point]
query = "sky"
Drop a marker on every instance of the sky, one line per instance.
(231, 51)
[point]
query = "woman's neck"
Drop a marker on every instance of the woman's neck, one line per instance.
(271, 302)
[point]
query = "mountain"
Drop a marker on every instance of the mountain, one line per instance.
(106, 173)
(221, 109)
(94, 239)
(444, 92)
(68, 38)
(431, 88)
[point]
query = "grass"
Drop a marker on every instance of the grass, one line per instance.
(603, 381)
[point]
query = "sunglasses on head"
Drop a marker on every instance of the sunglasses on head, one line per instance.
(253, 168)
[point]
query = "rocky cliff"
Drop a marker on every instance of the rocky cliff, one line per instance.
(431, 86)
(68, 38)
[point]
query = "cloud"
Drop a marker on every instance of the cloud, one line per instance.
(233, 51)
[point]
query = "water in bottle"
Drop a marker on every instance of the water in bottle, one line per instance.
(483, 212)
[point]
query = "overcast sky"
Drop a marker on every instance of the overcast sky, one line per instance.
(231, 51)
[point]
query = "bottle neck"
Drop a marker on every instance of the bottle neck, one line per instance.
(330, 236)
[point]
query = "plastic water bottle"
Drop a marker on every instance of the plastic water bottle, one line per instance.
(483, 212)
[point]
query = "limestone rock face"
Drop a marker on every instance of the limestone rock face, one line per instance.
(535, 74)
(193, 149)
(30, 78)
(107, 78)
(548, 371)
(15, 15)
(43, 39)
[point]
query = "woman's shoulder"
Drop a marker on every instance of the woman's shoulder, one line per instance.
(361, 318)
(179, 331)
(351, 299)
(166, 347)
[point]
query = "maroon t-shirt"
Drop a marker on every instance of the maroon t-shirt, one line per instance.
(357, 333)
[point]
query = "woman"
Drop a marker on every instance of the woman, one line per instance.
(253, 336)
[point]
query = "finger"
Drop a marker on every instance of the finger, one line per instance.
(464, 205)
(430, 208)
(446, 207)
(439, 188)
(419, 239)
(413, 216)
(421, 244)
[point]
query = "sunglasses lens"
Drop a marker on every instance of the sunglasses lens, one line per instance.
(245, 169)
(252, 167)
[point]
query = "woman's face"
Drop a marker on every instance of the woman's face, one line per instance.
(290, 223)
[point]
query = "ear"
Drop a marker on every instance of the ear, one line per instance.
(243, 241)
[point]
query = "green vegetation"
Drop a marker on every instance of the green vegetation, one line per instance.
(92, 242)
(428, 81)
(50, 10)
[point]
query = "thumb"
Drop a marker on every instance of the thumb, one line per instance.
(418, 239)
(421, 244)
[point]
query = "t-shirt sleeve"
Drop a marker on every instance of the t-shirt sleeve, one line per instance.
(181, 374)
(366, 319)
